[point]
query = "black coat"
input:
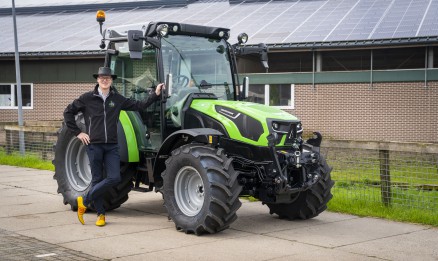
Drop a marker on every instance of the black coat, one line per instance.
(101, 117)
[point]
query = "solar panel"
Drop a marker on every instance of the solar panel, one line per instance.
(271, 22)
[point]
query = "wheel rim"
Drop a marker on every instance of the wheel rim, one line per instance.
(189, 191)
(77, 165)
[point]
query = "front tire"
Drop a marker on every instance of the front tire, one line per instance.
(200, 189)
(309, 203)
(73, 174)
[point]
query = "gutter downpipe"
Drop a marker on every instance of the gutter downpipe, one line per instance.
(313, 69)
(371, 70)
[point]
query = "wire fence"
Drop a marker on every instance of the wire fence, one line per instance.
(36, 143)
(388, 174)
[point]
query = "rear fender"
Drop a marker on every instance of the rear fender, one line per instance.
(130, 134)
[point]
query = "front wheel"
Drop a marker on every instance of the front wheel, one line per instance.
(309, 203)
(200, 189)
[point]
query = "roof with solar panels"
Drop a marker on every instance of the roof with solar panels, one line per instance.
(50, 28)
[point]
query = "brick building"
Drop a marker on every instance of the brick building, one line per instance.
(353, 70)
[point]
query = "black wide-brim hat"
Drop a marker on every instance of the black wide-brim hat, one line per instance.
(106, 71)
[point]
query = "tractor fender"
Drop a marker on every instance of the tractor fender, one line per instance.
(177, 139)
(129, 136)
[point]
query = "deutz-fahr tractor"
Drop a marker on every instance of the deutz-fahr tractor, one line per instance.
(202, 145)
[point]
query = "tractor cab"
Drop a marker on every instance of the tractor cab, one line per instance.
(189, 59)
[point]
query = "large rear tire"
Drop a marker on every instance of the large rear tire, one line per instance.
(200, 189)
(73, 174)
(309, 203)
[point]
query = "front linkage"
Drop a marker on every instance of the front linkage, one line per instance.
(296, 169)
(291, 170)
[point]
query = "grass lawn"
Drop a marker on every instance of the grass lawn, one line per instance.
(28, 161)
(407, 205)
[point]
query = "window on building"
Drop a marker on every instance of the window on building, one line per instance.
(290, 62)
(8, 96)
(256, 93)
(278, 95)
(347, 60)
(399, 58)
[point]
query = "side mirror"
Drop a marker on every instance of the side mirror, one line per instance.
(135, 43)
(244, 90)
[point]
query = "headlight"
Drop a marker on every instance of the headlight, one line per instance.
(242, 38)
(163, 29)
(299, 128)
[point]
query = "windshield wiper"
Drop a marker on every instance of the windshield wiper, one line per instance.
(205, 84)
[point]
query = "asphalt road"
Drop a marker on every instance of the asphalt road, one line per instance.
(36, 225)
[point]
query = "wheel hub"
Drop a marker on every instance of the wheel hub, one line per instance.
(77, 165)
(189, 191)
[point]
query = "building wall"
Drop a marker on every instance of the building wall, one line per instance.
(393, 111)
(397, 111)
(50, 100)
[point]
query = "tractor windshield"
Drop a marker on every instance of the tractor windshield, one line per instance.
(196, 65)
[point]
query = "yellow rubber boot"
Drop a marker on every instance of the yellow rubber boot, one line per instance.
(81, 209)
(100, 222)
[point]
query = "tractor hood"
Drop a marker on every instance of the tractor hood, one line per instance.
(244, 121)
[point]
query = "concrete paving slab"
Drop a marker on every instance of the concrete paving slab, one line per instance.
(36, 221)
(28, 199)
(119, 226)
(32, 208)
(251, 247)
(19, 179)
(8, 169)
(49, 189)
(327, 254)
(417, 245)
(140, 230)
(346, 232)
(18, 172)
(271, 223)
(12, 191)
(35, 189)
(149, 241)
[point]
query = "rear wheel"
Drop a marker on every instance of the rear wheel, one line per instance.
(200, 189)
(73, 174)
(310, 203)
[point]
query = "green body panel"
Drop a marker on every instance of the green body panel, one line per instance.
(257, 111)
(131, 141)
(139, 129)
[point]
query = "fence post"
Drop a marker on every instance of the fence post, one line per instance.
(44, 151)
(9, 142)
(385, 177)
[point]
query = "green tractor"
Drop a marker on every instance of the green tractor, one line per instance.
(202, 146)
